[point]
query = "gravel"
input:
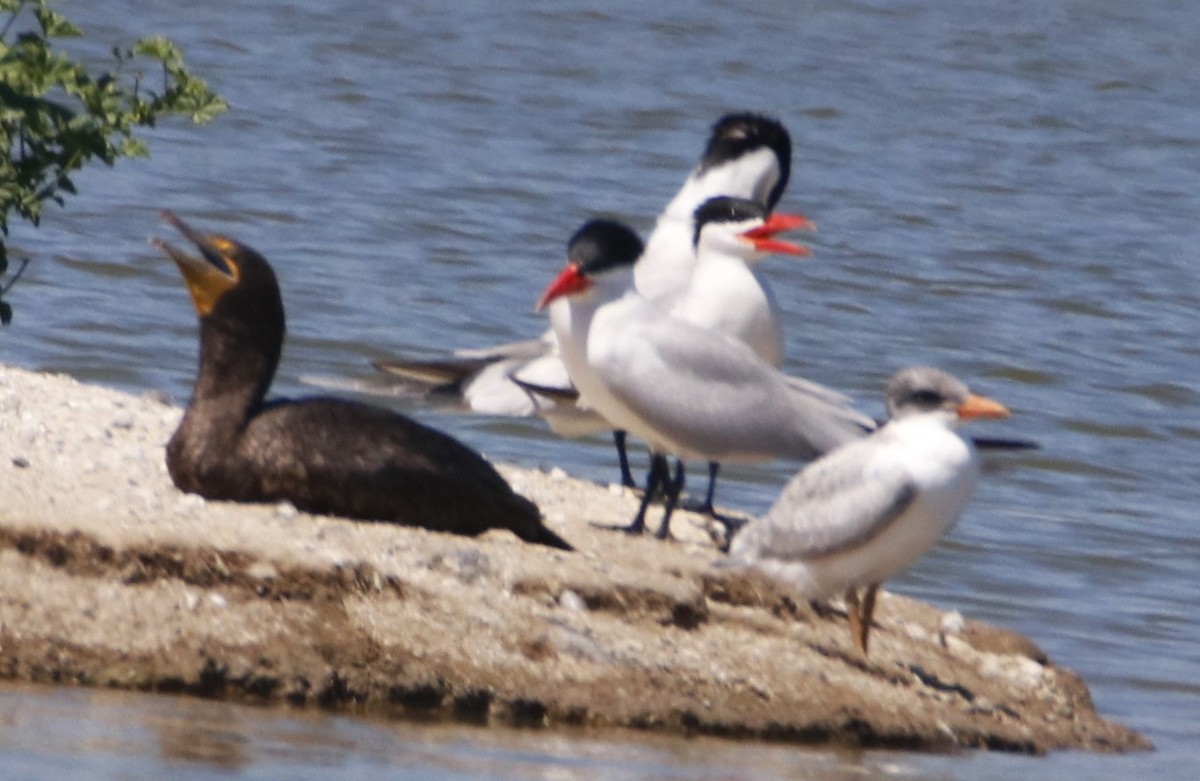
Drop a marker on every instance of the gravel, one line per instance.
(110, 576)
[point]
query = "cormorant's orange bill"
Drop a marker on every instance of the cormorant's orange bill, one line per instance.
(763, 237)
(569, 281)
(208, 277)
(981, 407)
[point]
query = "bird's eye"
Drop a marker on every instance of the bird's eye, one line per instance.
(925, 398)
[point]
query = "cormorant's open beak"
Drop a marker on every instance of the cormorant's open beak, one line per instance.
(208, 277)
(763, 237)
(570, 281)
(981, 407)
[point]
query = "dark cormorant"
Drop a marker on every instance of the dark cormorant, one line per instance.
(324, 455)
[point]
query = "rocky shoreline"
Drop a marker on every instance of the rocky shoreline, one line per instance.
(109, 576)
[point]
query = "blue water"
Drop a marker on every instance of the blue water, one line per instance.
(1007, 190)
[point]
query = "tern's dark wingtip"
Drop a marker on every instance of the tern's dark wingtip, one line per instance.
(1000, 443)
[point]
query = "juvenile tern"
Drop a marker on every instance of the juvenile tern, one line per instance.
(864, 512)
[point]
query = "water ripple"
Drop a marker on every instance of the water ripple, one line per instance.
(1013, 199)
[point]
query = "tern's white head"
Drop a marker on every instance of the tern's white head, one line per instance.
(747, 155)
(923, 389)
(596, 249)
(745, 229)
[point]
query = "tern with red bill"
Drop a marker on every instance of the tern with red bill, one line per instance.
(727, 293)
(688, 390)
(865, 512)
(746, 156)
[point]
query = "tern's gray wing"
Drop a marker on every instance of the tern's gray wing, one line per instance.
(433, 371)
(529, 348)
(478, 379)
(481, 385)
(462, 365)
(714, 394)
(817, 399)
(832, 505)
(556, 400)
(825, 393)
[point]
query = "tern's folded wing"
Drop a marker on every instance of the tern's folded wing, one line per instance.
(710, 395)
(833, 505)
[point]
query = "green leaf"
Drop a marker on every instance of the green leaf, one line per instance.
(58, 115)
(134, 147)
(55, 25)
(158, 48)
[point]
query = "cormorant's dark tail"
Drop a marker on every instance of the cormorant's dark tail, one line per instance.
(540, 535)
(524, 519)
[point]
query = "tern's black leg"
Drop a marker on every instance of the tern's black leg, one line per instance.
(708, 506)
(672, 489)
(623, 457)
(731, 525)
(657, 477)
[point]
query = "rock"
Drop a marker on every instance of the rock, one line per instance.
(266, 603)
